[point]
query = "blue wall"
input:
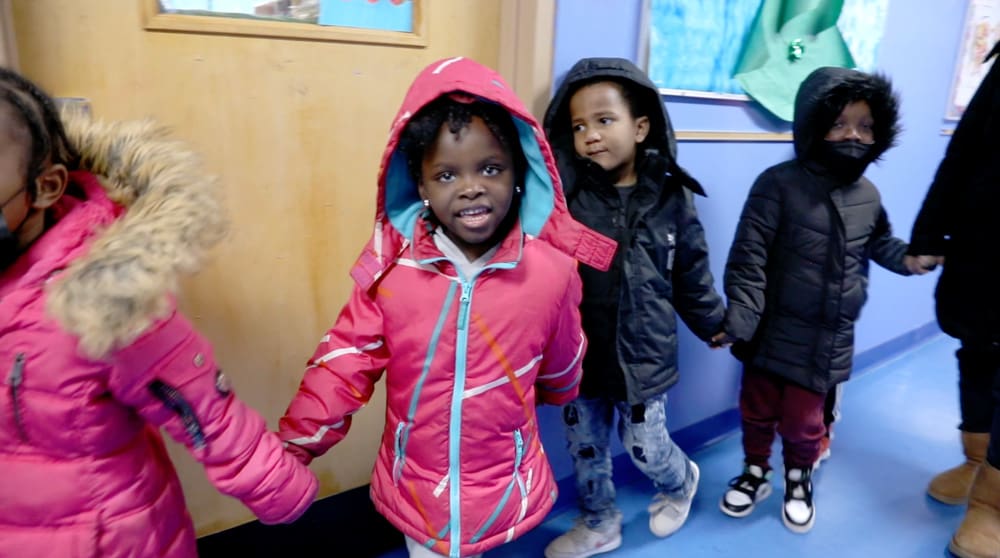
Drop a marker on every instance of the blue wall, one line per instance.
(917, 52)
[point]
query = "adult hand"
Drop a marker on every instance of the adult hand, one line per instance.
(919, 265)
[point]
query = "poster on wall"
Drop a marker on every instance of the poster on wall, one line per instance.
(981, 32)
(692, 47)
(385, 15)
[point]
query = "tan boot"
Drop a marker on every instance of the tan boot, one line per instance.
(952, 486)
(979, 534)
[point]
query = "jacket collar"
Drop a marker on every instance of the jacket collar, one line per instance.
(423, 250)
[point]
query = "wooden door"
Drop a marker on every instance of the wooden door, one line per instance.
(295, 129)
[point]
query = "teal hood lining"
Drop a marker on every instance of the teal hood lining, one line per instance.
(403, 204)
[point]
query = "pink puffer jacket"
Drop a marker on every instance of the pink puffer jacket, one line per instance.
(461, 468)
(95, 360)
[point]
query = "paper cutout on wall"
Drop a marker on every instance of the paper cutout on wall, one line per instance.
(694, 45)
(982, 30)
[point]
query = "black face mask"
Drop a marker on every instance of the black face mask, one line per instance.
(8, 238)
(846, 160)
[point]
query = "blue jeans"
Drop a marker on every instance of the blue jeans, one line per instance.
(643, 431)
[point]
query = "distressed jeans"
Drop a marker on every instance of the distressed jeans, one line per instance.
(643, 431)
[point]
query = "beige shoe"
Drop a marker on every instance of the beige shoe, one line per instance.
(952, 486)
(979, 534)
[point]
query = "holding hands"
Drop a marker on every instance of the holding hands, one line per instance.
(919, 265)
(721, 340)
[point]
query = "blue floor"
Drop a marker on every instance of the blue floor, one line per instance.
(898, 429)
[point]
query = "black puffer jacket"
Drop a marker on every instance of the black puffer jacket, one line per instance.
(661, 266)
(959, 220)
(797, 274)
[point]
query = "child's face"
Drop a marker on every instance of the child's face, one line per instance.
(854, 124)
(605, 131)
(469, 180)
(14, 195)
(23, 211)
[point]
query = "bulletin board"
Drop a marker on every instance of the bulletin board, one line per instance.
(981, 32)
(691, 47)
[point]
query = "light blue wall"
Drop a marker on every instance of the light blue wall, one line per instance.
(917, 52)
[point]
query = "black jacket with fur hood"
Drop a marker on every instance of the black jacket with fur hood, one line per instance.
(661, 268)
(797, 274)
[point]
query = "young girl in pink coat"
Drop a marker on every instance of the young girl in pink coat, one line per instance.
(98, 222)
(467, 299)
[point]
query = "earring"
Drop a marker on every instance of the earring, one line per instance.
(427, 203)
(517, 189)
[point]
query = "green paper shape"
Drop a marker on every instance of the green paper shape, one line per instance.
(790, 39)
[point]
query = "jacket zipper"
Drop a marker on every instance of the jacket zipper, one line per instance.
(463, 309)
(16, 378)
(671, 248)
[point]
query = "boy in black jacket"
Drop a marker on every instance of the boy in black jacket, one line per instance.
(616, 152)
(797, 277)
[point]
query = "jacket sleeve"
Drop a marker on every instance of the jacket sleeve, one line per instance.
(170, 377)
(339, 380)
(968, 145)
(885, 249)
(746, 268)
(558, 380)
(695, 297)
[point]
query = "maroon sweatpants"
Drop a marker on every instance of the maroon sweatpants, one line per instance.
(770, 403)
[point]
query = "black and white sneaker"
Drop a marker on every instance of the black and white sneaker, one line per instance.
(745, 491)
(798, 513)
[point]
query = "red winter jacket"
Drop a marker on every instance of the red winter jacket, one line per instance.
(460, 467)
(95, 360)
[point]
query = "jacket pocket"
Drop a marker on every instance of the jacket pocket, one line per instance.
(671, 252)
(517, 482)
(78, 539)
(14, 381)
(399, 451)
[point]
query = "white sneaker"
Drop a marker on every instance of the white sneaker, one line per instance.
(667, 514)
(799, 512)
(745, 491)
(582, 541)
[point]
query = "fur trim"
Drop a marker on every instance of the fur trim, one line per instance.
(175, 215)
(825, 93)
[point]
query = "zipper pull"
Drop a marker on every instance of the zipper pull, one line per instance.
(16, 378)
(463, 309)
(17, 374)
(519, 448)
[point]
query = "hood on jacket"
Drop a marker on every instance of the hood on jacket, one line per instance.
(824, 94)
(660, 140)
(542, 211)
(174, 215)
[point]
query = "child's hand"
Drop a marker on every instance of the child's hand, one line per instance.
(721, 340)
(919, 265)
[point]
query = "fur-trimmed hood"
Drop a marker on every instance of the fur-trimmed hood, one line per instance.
(174, 215)
(824, 94)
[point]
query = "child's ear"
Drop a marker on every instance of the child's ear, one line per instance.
(50, 185)
(641, 129)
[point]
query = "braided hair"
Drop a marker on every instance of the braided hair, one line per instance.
(39, 114)
(422, 131)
